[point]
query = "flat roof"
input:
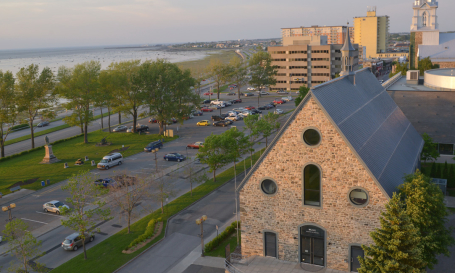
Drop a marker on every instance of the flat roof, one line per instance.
(402, 85)
(311, 27)
(442, 72)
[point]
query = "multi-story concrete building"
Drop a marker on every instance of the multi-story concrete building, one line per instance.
(307, 60)
(335, 34)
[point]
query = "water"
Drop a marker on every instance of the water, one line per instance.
(53, 58)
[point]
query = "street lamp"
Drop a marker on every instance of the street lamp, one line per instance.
(8, 209)
(200, 222)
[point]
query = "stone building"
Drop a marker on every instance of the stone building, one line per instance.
(319, 188)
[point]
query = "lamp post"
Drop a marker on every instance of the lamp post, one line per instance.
(200, 222)
(8, 209)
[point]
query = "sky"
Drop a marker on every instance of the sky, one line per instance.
(70, 23)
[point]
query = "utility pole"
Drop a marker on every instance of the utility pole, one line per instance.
(200, 222)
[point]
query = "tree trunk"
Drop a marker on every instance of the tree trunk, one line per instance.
(119, 117)
(162, 207)
(109, 119)
(161, 123)
(214, 176)
(129, 221)
(191, 185)
(32, 133)
(2, 148)
(24, 259)
(218, 91)
(102, 123)
(134, 120)
(85, 251)
(85, 133)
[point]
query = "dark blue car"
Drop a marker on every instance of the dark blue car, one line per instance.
(174, 157)
(105, 182)
(153, 145)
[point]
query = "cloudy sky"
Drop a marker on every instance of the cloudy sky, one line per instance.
(62, 23)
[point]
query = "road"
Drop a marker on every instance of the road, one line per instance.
(29, 208)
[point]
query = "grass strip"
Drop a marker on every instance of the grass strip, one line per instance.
(107, 256)
(27, 170)
(219, 251)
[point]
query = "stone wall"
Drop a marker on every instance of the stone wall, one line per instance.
(284, 211)
(418, 41)
(445, 64)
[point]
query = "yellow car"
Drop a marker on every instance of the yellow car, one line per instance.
(203, 123)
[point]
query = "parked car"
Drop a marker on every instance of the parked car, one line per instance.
(174, 157)
(278, 101)
(203, 123)
(245, 113)
(110, 160)
(43, 123)
(153, 145)
(224, 115)
(250, 107)
(251, 89)
(234, 118)
(139, 128)
(197, 113)
(228, 103)
(282, 92)
(217, 102)
(265, 107)
(206, 109)
(74, 241)
(249, 94)
(153, 120)
(272, 105)
(233, 101)
(238, 100)
(215, 106)
(241, 109)
(206, 101)
(208, 93)
(195, 145)
(288, 98)
(130, 129)
(262, 93)
(233, 86)
(231, 94)
(54, 206)
(174, 120)
(106, 182)
(222, 123)
(217, 118)
(120, 128)
(255, 112)
(278, 111)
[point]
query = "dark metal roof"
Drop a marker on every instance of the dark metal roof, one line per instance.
(347, 44)
(374, 127)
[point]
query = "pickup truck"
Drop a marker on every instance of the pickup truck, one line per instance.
(217, 118)
(216, 102)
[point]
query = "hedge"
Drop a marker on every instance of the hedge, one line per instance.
(149, 230)
(20, 127)
(221, 237)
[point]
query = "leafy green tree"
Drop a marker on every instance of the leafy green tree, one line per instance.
(303, 91)
(35, 94)
(213, 153)
(430, 149)
(8, 109)
(218, 72)
(194, 176)
(400, 68)
(267, 125)
(238, 73)
(76, 118)
(23, 245)
(438, 171)
(86, 209)
(433, 170)
(262, 71)
(108, 88)
(396, 243)
(251, 126)
(424, 205)
(80, 86)
(426, 64)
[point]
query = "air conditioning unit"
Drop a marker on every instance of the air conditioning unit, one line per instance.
(412, 77)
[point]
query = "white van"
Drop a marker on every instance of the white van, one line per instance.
(217, 102)
(110, 160)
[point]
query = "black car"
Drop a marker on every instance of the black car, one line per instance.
(142, 128)
(231, 94)
(256, 111)
(217, 118)
(222, 123)
(249, 94)
(272, 104)
(197, 113)
(265, 107)
(206, 101)
(42, 124)
(224, 116)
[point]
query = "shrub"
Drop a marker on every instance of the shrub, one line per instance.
(149, 230)
(221, 237)
(20, 127)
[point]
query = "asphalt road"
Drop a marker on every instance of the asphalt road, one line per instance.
(29, 208)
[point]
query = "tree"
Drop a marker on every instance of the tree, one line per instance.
(8, 109)
(130, 94)
(433, 172)
(238, 73)
(35, 94)
(218, 72)
(23, 245)
(396, 243)
(424, 203)
(267, 125)
(251, 122)
(213, 154)
(128, 193)
(86, 209)
(426, 64)
(162, 189)
(451, 180)
(429, 150)
(303, 91)
(438, 171)
(108, 88)
(80, 86)
(195, 177)
(400, 68)
(445, 171)
(262, 72)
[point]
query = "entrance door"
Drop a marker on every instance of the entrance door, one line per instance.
(312, 248)
(270, 244)
(356, 251)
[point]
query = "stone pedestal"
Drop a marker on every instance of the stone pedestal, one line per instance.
(49, 158)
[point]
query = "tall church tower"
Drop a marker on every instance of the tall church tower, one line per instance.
(424, 27)
(347, 56)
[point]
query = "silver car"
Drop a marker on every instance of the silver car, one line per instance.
(74, 241)
(54, 206)
(120, 128)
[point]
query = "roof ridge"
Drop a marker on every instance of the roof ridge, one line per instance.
(361, 107)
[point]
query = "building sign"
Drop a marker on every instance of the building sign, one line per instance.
(311, 231)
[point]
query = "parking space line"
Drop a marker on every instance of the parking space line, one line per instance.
(49, 214)
(33, 221)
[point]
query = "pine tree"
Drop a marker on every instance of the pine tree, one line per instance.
(426, 210)
(433, 170)
(395, 246)
(445, 172)
(438, 171)
(451, 180)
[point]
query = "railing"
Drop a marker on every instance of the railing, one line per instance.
(392, 80)
(240, 259)
(230, 268)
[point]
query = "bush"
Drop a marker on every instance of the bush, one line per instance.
(221, 237)
(149, 230)
(20, 127)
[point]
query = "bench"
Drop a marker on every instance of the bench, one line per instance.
(13, 189)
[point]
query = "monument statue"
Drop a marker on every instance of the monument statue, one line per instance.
(49, 158)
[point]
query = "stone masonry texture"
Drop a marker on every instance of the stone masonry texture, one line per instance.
(284, 212)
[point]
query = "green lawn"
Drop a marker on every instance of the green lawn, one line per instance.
(198, 66)
(27, 168)
(107, 256)
(220, 250)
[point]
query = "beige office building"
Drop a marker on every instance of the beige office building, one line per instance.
(308, 61)
(335, 34)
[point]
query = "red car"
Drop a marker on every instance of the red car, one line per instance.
(250, 108)
(195, 145)
(238, 100)
(278, 101)
(208, 93)
(153, 120)
(206, 109)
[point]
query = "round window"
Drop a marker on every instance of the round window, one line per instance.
(358, 197)
(311, 137)
(268, 186)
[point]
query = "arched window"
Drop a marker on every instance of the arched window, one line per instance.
(312, 186)
(424, 19)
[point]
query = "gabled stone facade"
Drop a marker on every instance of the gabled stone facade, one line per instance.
(283, 213)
